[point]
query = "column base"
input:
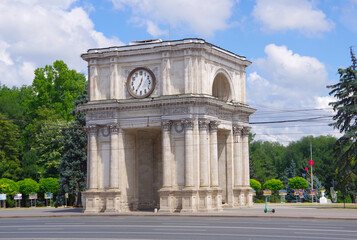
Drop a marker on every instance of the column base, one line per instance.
(102, 201)
(243, 196)
(210, 200)
(170, 200)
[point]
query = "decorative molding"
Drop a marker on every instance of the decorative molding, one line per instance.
(92, 129)
(114, 128)
(166, 125)
(213, 125)
(237, 130)
(179, 127)
(237, 133)
(188, 123)
(203, 124)
(176, 110)
(246, 131)
(100, 115)
(105, 131)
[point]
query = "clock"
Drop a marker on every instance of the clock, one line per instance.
(141, 82)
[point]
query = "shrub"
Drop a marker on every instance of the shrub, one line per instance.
(273, 184)
(298, 183)
(49, 185)
(255, 184)
(28, 186)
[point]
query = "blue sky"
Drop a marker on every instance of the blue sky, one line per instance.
(296, 46)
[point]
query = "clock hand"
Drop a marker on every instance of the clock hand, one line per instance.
(140, 83)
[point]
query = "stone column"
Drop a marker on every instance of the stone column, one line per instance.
(204, 153)
(214, 153)
(188, 123)
(93, 157)
(237, 156)
(166, 154)
(245, 155)
(114, 157)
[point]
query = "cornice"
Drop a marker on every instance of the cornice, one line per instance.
(165, 46)
(177, 100)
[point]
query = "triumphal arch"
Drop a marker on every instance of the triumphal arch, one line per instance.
(168, 127)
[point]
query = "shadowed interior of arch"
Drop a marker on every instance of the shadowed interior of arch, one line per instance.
(221, 88)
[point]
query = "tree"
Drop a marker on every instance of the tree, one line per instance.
(9, 149)
(10, 188)
(49, 185)
(255, 184)
(73, 166)
(345, 150)
(273, 184)
(298, 183)
(56, 87)
(28, 186)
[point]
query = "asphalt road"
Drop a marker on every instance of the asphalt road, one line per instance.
(162, 227)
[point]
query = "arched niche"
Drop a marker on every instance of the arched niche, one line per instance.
(221, 88)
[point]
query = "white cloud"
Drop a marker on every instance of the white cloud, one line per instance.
(35, 33)
(202, 17)
(284, 81)
(301, 15)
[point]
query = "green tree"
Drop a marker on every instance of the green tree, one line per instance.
(9, 187)
(255, 184)
(48, 148)
(265, 158)
(56, 87)
(73, 166)
(9, 149)
(298, 183)
(273, 185)
(28, 186)
(345, 91)
(49, 185)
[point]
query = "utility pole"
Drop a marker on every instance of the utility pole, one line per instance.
(312, 177)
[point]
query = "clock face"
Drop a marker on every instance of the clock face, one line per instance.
(141, 82)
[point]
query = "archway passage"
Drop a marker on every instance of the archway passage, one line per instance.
(221, 88)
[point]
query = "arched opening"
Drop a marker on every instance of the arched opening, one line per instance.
(221, 88)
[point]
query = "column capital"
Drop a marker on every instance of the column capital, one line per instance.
(213, 125)
(91, 129)
(114, 128)
(188, 123)
(246, 130)
(203, 124)
(166, 125)
(237, 130)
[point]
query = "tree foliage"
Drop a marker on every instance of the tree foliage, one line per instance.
(8, 186)
(9, 149)
(56, 87)
(255, 184)
(273, 184)
(49, 185)
(298, 183)
(73, 166)
(345, 106)
(28, 186)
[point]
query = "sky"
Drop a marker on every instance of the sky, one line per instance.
(296, 46)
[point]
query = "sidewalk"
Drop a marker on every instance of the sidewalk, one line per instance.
(306, 211)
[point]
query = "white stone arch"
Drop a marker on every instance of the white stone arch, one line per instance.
(222, 86)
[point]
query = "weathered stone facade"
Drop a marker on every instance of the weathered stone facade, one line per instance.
(182, 148)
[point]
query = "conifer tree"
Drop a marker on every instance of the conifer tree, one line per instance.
(73, 166)
(345, 91)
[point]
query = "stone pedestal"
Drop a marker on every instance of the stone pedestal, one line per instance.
(243, 197)
(167, 200)
(102, 201)
(189, 201)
